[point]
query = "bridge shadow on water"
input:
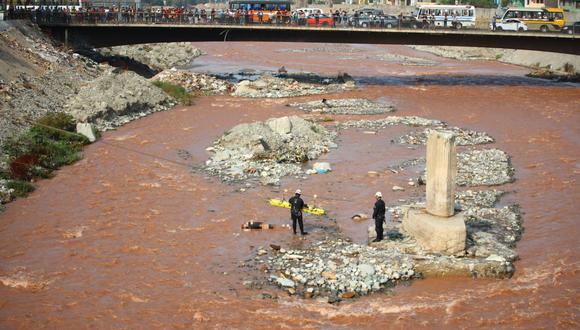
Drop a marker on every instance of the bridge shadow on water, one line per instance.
(461, 80)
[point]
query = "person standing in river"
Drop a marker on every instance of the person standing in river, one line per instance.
(296, 206)
(379, 216)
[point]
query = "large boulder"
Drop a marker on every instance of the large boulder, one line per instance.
(157, 56)
(114, 99)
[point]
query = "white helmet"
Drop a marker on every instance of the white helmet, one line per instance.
(378, 194)
(299, 192)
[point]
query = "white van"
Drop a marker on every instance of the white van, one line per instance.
(310, 11)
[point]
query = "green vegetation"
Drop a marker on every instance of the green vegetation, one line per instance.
(177, 92)
(21, 188)
(50, 143)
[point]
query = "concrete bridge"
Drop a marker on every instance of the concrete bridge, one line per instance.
(104, 35)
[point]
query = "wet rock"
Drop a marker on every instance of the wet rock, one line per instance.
(194, 82)
(336, 266)
(463, 137)
(115, 99)
(475, 167)
(360, 217)
(345, 106)
(160, 56)
(348, 295)
(268, 86)
(284, 282)
(269, 150)
(390, 121)
(86, 130)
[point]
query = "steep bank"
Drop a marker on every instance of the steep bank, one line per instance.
(529, 58)
(38, 77)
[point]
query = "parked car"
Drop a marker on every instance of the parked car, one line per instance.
(323, 20)
(410, 22)
(510, 24)
(310, 11)
(573, 28)
(387, 21)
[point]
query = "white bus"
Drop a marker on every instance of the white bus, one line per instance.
(465, 15)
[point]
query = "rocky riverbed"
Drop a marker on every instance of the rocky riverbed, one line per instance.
(345, 107)
(197, 83)
(269, 150)
(463, 137)
(159, 57)
(491, 237)
(114, 99)
(337, 269)
(268, 86)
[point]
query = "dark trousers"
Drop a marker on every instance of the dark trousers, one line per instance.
(379, 227)
(300, 223)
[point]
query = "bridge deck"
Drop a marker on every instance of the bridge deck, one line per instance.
(103, 34)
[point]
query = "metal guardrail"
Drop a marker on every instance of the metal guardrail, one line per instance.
(99, 16)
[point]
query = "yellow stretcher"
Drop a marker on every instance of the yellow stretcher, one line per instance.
(285, 204)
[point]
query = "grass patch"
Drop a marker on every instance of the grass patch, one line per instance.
(50, 143)
(21, 188)
(177, 92)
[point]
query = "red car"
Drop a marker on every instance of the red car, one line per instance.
(323, 20)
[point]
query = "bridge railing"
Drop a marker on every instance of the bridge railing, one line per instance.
(99, 16)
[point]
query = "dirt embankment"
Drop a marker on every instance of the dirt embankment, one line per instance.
(556, 62)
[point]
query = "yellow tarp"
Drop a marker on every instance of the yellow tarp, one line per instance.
(285, 204)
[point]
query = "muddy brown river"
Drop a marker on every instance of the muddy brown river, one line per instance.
(125, 240)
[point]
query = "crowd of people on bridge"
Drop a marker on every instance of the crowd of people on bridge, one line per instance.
(178, 15)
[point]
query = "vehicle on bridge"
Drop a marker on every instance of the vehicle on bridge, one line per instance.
(310, 11)
(320, 20)
(542, 19)
(386, 21)
(457, 17)
(572, 28)
(512, 24)
(261, 10)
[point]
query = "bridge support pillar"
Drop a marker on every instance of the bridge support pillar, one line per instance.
(66, 38)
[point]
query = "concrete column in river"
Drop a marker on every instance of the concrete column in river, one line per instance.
(441, 173)
(436, 227)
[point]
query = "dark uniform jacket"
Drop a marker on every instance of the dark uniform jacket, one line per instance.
(297, 204)
(379, 210)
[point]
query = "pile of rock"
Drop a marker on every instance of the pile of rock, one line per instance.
(157, 56)
(115, 99)
(404, 60)
(268, 150)
(390, 121)
(491, 237)
(474, 167)
(194, 82)
(464, 137)
(484, 167)
(338, 268)
(268, 86)
(345, 107)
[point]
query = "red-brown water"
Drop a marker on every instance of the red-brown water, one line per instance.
(161, 247)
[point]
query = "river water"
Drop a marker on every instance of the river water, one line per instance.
(125, 240)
